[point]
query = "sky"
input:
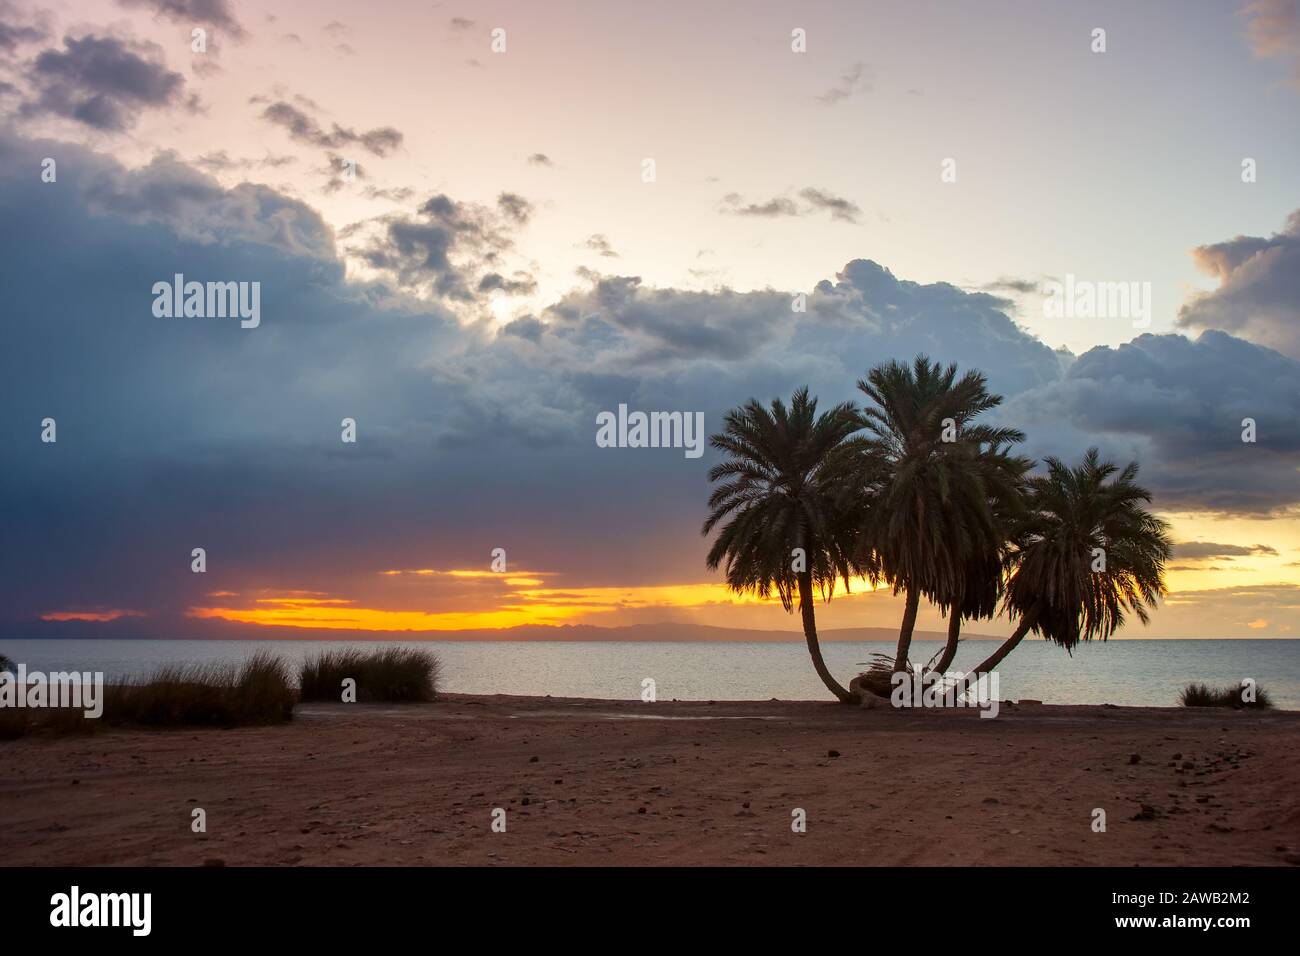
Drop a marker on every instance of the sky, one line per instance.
(475, 227)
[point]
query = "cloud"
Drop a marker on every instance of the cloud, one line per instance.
(598, 242)
(855, 80)
(391, 193)
(102, 82)
(1177, 405)
(520, 284)
(473, 435)
(215, 13)
(816, 199)
(526, 327)
(461, 24)
(446, 244)
(736, 205)
(220, 161)
(14, 34)
(380, 141)
(338, 174)
(515, 207)
(1259, 288)
(1274, 32)
(1012, 284)
(194, 205)
(1202, 550)
(839, 208)
(540, 159)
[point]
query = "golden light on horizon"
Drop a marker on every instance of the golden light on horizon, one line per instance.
(514, 607)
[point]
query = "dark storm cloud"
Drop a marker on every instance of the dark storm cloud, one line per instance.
(103, 82)
(1178, 406)
(183, 421)
(180, 433)
(380, 141)
(1259, 289)
(215, 13)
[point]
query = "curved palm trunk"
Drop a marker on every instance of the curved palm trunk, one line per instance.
(1009, 645)
(950, 649)
(905, 632)
(810, 635)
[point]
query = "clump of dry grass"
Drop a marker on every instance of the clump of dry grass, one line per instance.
(390, 675)
(257, 691)
(1202, 695)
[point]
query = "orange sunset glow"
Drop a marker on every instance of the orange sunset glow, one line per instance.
(517, 603)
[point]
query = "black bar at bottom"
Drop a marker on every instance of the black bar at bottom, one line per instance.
(332, 905)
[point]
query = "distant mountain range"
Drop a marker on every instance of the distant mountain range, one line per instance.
(189, 628)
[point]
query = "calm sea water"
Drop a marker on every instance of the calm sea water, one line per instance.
(1126, 672)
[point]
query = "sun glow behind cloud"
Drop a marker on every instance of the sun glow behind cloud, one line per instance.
(518, 601)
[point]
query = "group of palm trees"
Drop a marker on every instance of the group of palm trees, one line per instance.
(912, 491)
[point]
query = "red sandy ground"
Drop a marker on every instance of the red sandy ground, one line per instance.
(373, 784)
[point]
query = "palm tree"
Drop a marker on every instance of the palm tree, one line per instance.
(789, 482)
(933, 509)
(1001, 478)
(1088, 553)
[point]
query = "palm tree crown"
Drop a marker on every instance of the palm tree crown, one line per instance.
(941, 486)
(1088, 552)
(788, 482)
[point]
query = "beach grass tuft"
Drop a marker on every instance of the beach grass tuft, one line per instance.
(258, 691)
(390, 675)
(1202, 695)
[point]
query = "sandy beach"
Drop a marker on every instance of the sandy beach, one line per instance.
(616, 783)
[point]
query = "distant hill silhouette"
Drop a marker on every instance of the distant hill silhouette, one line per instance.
(670, 632)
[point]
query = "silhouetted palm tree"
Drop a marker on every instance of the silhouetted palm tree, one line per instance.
(933, 509)
(1000, 476)
(790, 481)
(1087, 553)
